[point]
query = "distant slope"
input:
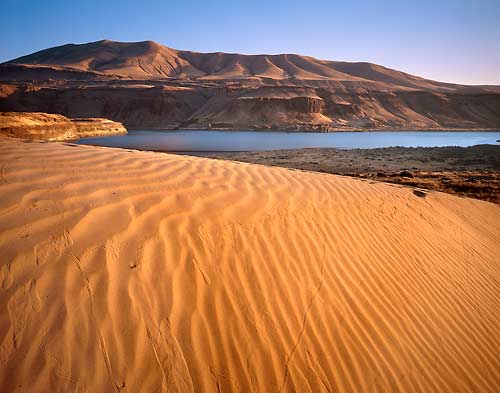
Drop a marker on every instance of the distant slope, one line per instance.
(148, 60)
(139, 60)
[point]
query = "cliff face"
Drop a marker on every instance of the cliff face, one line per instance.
(293, 104)
(45, 126)
(264, 112)
(153, 107)
(149, 86)
(88, 127)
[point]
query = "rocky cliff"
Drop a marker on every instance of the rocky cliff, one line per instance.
(51, 127)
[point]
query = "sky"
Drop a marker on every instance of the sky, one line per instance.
(446, 40)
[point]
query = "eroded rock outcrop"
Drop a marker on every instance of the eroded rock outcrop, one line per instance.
(303, 104)
(52, 127)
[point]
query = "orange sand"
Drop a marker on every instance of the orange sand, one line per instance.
(146, 272)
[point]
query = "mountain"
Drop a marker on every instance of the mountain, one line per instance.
(149, 60)
(145, 84)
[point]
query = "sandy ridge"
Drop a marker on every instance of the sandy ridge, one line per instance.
(138, 271)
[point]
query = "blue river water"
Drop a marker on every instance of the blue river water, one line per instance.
(187, 141)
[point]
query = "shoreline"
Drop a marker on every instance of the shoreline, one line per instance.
(323, 132)
(466, 171)
(472, 171)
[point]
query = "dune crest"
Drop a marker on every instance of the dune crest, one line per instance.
(132, 271)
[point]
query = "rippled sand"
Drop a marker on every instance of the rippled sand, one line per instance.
(142, 272)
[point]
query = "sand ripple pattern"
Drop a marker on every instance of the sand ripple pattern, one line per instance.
(125, 271)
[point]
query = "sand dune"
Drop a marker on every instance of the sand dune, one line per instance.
(141, 272)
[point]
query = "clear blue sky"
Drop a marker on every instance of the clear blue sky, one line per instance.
(446, 40)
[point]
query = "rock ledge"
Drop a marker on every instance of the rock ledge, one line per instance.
(52, 127)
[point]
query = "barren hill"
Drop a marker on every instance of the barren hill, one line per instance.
(149, 60)
(145, 84)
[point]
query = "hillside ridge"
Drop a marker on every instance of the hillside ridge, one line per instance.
(147, 59)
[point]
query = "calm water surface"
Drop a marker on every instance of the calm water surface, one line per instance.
(263, 140)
